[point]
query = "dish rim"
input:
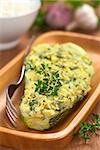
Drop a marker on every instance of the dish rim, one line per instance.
(76, 120)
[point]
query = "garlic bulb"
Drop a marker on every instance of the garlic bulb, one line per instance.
(58, 15)
(85, 18)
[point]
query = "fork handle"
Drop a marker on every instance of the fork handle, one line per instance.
(22, 75)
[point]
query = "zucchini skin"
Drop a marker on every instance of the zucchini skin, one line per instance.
(57, 76)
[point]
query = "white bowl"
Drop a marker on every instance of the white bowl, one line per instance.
(12, 28)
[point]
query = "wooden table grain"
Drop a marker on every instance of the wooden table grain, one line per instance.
(75, 143)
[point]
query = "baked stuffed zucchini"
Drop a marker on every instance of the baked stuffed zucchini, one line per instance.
(56, 77)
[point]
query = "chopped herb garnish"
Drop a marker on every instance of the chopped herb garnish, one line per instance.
(42, 68)
(31, 104)
(48, 86)
(86, 128)
(73, 68)
(96, 118)
(29, 66)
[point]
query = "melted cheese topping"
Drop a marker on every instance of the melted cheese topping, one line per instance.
(56, 77)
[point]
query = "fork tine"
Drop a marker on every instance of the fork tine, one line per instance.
(10, 109)
(10, 102)
(10, 116)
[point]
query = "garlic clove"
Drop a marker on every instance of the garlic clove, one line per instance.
(86, 17)
(88, 22)
(84, 9)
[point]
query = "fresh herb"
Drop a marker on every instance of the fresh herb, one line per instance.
(48, 86)
(49, 1)
(75, 3)
(29, 66)
(95, 3)
(31, 104)
(96, 118)
(56, 82)
(41, 86)
(73, 68)
(88, 128)
(40, 20)
(42, 68)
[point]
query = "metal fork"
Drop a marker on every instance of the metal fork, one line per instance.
(11, 111)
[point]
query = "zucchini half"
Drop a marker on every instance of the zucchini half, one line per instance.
(57, 76)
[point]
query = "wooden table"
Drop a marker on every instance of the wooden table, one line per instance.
(76, 143)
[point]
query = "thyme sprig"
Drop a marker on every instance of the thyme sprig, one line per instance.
(48, 86)
(88, 128)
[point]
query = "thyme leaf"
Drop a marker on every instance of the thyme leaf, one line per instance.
(48, 86)
(88, 128)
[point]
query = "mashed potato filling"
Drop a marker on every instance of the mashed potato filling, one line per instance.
(56, 77)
